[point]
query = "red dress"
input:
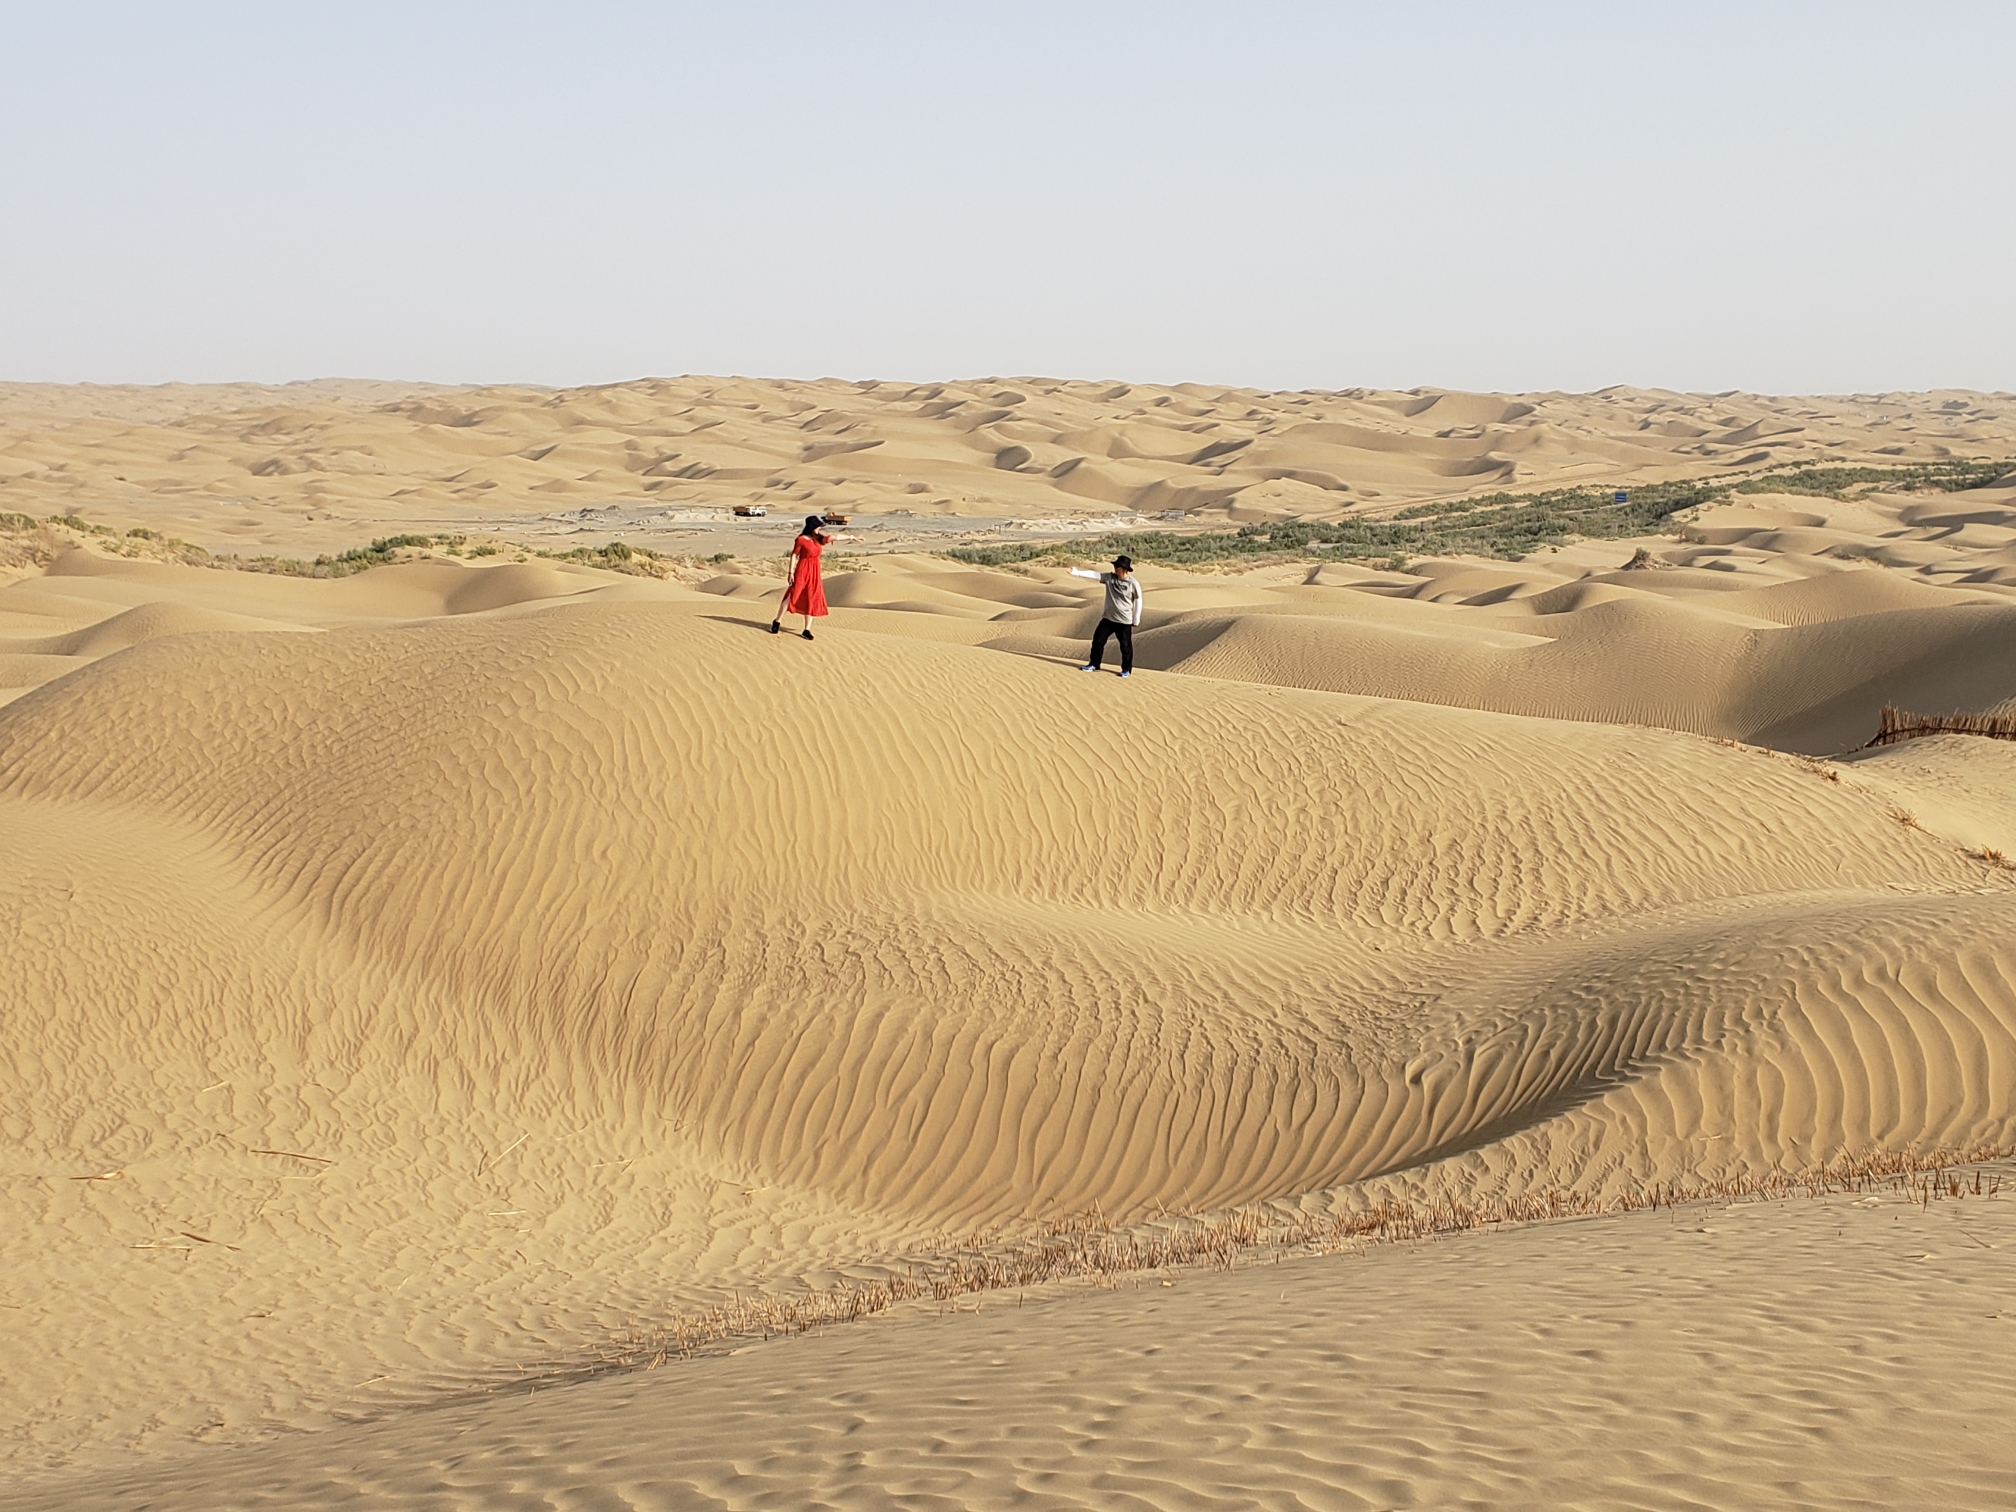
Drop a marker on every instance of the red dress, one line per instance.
(807, 594)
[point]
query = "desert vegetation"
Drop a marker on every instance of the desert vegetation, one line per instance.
(1500, 525)
(1090, 1249)
(1897, 724)
(37, 539)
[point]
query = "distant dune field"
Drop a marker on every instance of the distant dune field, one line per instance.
(423, 977)
(314, 464)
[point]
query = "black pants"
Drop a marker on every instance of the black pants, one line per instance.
(1125, 632)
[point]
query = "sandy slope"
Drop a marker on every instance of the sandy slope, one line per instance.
(395, 1004)
(1741, 628)
(421, 976)
(1840, 1352)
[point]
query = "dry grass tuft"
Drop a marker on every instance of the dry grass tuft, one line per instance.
(1995, 858)
(1906, 818)
(1090, 1248)
(1894, 724)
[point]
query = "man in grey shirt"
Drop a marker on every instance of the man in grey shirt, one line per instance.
(1122, 613)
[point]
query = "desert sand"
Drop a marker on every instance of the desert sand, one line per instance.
(423, 984)
(1841, 1352)
(315, 465)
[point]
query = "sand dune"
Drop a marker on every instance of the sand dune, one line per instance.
(423, 976)
(323, 465)
(608, 885)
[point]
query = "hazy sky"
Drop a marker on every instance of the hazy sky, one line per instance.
(1783, 197)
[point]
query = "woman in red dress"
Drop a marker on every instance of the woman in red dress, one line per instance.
(806, 594)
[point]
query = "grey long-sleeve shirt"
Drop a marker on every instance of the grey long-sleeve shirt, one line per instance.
(1123, 595)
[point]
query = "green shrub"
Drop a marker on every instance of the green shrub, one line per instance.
(1501, 525)
(616, 556)
(344, 564)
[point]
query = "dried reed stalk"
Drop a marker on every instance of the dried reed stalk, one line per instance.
(1091, 1248)
(1894, 724)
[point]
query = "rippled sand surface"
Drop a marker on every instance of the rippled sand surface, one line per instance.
(1840, 1352)
(418, 979)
